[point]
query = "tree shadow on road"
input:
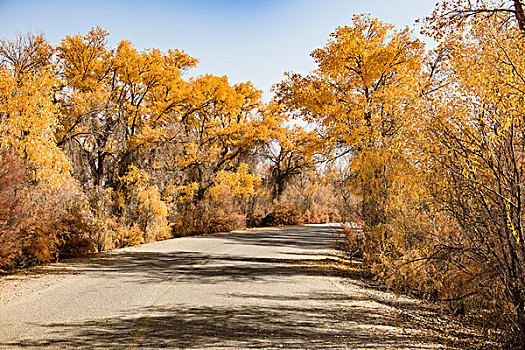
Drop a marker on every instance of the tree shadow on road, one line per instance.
(322, 237)
(318, 320)
(154, 267)
(144, 266)
(235, 327)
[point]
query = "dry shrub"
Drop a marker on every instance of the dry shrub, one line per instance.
(128, 236)
(104, 234)
(284, 214)
(314, 196)
(139, 203)
(353, 240)
(77, 246)
(253, 220)
(113, 234)
(225, 222)
(207, 218)
(79, 232)
(61, 227)
(152, 215)
(37, 225)
(27, 234)
(410, 273)
(423, 252)
(158, 229)
(221, 210)
(321, 214)
(11, 208)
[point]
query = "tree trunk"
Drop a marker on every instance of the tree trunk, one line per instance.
(520, 15)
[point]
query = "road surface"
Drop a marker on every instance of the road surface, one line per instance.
(250, 289)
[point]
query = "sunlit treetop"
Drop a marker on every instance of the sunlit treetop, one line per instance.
(453, 16)
(366, 75)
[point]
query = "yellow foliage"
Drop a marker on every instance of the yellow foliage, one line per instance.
(135, 177)
(240, 183)
(362, 97)
(150, 201)
(152, 210)
(116, 101)
(28, 121)
(184, 192)
(128, 236)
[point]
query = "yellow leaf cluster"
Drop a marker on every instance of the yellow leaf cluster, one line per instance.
(241, 183)
(28, 122)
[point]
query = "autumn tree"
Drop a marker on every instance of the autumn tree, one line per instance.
(360, 99)
(114, 100)
(28, 117)
(26, 54)
(134, 126)
(291, 151)
(474, 154)
(219, 128)
(114, 104)
(215, 141)
(39, 198)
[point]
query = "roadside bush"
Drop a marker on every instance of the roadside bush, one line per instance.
(27, 234)
(77, 230)
(206, 218)
(353, 240)
(127, 236)
(11, 208)
(39, 225)
(321, 214)
(284, 214)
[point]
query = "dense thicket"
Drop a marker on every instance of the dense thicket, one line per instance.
(105, 147)
(422, 150)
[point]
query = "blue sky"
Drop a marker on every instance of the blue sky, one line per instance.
(255, 40)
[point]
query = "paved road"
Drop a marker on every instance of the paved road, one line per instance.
(238, 290)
